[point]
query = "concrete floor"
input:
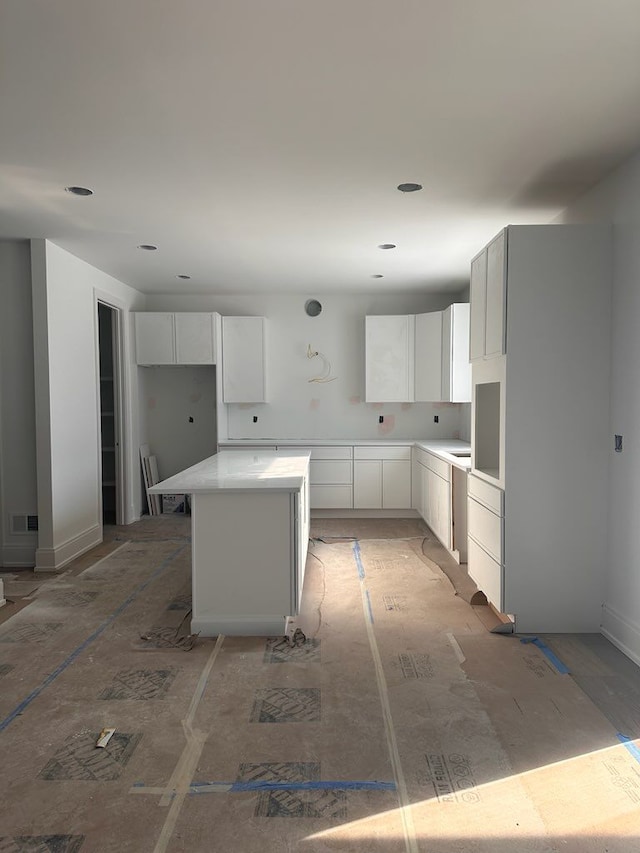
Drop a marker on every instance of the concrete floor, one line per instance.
(400, 723)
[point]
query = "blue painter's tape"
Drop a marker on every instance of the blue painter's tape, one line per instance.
(555, 660)
(78, 651)
(358, 558)
(630, 746)
(369, 607)
(240, 787)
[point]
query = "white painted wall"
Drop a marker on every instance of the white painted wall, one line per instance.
(617, 200)
(299, 409)
(18, 490)
(65, 290)
(173, 395)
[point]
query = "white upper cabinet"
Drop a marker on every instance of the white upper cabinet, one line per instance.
(456, 367)
(389, 343)
(442, 369)
(243, 360)
(496, 296)
(155, 343)
(428, 355)
(168, 338)
(195, 339)
(487, 335)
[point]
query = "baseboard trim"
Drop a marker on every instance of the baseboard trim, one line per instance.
(364, 513)
(18, 556)
(54, 559)
(623, 632)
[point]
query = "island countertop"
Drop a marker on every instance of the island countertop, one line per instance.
(240, 470)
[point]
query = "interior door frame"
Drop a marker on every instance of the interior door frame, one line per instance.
(119, 382)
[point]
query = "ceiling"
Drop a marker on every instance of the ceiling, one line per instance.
(259, 143)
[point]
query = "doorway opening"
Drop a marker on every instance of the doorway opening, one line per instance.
(110, 413)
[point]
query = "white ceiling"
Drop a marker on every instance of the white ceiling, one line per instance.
(259, 143)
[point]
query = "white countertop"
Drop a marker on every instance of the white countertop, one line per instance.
(240, 470)
(445, 448)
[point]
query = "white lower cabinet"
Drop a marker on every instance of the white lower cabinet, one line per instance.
(382, 477)
(330, 476)
(439, 494)
(485, 519)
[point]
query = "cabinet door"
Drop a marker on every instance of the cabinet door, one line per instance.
(456, 367)
(478, 298)
(428, 357)
(389, 359)
(396, 484)
(155, 342)
(416, 485)
(496, 292)
(425, 508)
(367, 484)
(194, 339)
(243, 362)
(444, 512)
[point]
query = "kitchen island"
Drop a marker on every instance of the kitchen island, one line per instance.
(250, 530)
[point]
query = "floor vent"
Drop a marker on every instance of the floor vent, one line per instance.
(24, 523)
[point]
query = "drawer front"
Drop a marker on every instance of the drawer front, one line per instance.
(331, 497)
(380, 452)
(485, 527)
(338, 452)
(439, 466)
(329, 471)
(486, 494)
(487, 573)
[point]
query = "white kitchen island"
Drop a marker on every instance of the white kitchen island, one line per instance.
(250, 530)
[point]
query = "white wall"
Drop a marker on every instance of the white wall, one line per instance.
(617, 200)
(65, 291)
(299, 409)
(180, 405)
(18, 490)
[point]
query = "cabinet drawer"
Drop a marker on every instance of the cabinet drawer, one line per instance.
(329, 471)
(486, 494)
(331, 497)
(339, 452)
(381, 452)
(485, 527)
(487, 574)
(439, 466)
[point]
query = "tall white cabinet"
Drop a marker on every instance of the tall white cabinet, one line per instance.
(243, 360)
(540, 311)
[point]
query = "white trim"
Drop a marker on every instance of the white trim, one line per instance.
(18, 556)
(53, 559)
(364, 513)
(622, 632)
(243, 626)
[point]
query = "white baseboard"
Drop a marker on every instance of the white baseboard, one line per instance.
(364, 513)
(623, 632)
(3, 600)
(53, 559)
(18, 556)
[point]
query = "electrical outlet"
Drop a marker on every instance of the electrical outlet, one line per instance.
(255, 419)
(436, 419)
(618, 443)
(381, 419)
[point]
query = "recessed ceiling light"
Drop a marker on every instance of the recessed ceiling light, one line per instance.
(185, 277)
(387, 246)
(147, 247)
(79, 190)
(409, 188)
(377, 275)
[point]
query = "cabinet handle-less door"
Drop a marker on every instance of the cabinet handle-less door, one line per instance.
(194, 338)
(367, 484)
(478, 297)
(496, 302)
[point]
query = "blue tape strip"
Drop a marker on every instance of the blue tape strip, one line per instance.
(238, 787)
(370, 609)
(358, 558)
(74, 654)
(555, 660)
(630, 746)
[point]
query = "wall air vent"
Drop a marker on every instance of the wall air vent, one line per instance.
(24, 524)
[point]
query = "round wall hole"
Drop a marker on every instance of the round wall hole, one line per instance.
(312, 307)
